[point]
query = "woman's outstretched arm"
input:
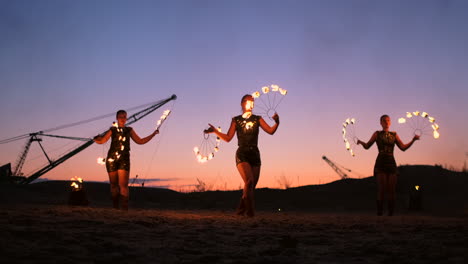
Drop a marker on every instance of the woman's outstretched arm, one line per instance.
(103, 139)
(226, 137)
(141, 141)
(270, 129)
(403, 146)
(370, 142)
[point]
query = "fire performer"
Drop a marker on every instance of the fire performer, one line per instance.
(385, 168)
(247, 156)
(118, 157)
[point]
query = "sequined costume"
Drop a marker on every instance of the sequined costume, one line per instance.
(247, 138)
(118, 157)
(385, 162)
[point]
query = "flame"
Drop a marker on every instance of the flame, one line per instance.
(158, 123)
(347, 121)
(431, 119)
(249, 125)
(124, 138)
(219, 129)
(402, 120)
(283, 91)
(101, 161)
(343, 131)
(353, 120)
(435, 126)
(416, 113)
(196, 150)
(110, 160)
(114, 124)
(348, 146)
(275, 87)
(265, 89)
(344, 125)
(416, 187)
(436, 134)
(216, 149)
(122, 148)
(210, 157)
(424, 114)
(408, 115)
(256, 94)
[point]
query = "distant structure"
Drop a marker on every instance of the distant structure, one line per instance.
(340, 172)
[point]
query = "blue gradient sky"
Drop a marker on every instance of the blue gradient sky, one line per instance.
(65, 61)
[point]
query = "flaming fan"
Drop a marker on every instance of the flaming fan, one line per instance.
(420, 123)
(270, 97)
(208, 146)
(349, 135)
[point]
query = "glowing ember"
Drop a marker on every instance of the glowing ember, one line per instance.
(348, 121)
(353, 120)
(416, 113)
(265, 89)
(283, 91)
(431, 119)
(424, 114)
(77, 183)
(348, 146)
(402, 120)
(101, 161)
(256, 95)
(408, 115)
(436, 134)
(435, 126)
(275, 87)
(196, 150)
(416, 187)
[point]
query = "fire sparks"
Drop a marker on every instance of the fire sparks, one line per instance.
(77, 183)
(163, 117)
(420, 125)
(206, 150)
(101, 161)
(256, 94)
(348, 134)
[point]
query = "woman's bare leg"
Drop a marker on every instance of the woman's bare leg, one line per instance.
(123, 184)
(381, 189)
(391, 190)
(247, 174)
(114, 188)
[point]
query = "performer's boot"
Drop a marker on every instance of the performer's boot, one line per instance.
(379, 207)
(241, 208)
(391, 207)
(115, 200)
(124, 202)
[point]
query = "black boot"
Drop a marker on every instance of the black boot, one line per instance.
(391, 207)
(241, 208)
(124, 202)
(379, 207)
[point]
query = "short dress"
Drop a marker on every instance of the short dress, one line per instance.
(385, 162)
(118, 157)
(247, 139)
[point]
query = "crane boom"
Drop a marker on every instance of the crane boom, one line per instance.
(342, 174)
(132, 119)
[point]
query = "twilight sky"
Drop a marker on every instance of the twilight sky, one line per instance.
(67, 61)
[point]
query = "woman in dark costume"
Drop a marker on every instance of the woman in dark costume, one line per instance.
(385, 168)
(118, 157)
(247, 156)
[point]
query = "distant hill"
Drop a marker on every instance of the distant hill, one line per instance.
(443, 192)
